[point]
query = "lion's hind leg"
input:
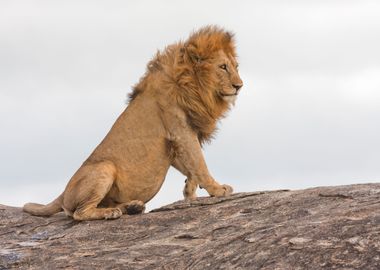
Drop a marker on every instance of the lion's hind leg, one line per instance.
(88, 190)
(91, 212)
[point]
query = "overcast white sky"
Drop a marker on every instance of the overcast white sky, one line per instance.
(308, 115)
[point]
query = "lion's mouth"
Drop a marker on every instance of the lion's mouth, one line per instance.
(229, 97)
(228, 94)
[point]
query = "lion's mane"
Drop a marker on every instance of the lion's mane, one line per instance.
(183, 72)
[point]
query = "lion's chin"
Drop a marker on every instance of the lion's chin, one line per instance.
(230, 99)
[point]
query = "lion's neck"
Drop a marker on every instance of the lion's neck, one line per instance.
(203, 118)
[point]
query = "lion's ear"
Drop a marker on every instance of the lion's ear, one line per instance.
(192, 53)
(228, 37)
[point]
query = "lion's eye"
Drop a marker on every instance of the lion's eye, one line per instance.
(224, 66)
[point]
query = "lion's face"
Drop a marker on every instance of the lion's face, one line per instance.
(229, 80)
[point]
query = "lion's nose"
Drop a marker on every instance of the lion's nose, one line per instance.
(237, 86)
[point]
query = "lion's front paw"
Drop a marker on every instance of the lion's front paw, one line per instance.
(223, 190)
(190, 198)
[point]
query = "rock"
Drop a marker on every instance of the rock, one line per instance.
(318, 228)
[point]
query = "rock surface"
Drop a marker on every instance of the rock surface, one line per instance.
(319, 228)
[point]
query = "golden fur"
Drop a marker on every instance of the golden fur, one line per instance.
(172, 111)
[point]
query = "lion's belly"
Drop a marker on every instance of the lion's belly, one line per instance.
(140, 176)
(139, 187)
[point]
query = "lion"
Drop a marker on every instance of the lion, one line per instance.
(173, 110)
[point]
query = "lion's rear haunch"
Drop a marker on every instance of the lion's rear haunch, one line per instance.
(172, 112)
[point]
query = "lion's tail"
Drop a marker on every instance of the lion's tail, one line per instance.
(44, 210)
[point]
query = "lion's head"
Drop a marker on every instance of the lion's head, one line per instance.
(203, 75)
(229, 80)
(211, 54)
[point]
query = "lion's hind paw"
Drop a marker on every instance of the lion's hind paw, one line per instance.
(112, 213)
(133, 207)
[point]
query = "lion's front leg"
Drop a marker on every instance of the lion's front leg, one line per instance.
(190, 161)
(189, 191)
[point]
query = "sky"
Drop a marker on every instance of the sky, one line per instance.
(308, 114)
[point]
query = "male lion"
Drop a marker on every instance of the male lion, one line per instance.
(172, 111)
